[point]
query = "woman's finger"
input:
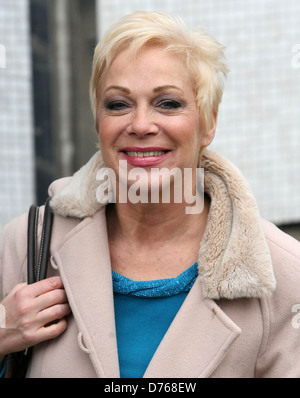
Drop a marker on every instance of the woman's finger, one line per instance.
(51, 331)
(48, 299)
(52, 314)
(44, 286)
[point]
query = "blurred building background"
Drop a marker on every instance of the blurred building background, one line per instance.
(46, 126)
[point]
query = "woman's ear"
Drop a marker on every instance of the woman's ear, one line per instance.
(210, 134)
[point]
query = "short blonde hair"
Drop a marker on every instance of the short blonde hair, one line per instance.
(203, 55)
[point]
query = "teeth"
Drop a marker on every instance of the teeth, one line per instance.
(145, 154)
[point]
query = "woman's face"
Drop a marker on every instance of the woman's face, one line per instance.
(147, 113)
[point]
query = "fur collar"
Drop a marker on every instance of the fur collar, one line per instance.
(234, 260)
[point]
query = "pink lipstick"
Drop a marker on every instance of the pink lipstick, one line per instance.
(144, 156)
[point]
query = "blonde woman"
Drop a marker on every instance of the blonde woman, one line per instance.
(170, 287)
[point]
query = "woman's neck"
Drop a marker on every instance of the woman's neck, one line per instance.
(159, 242)
(151, 222)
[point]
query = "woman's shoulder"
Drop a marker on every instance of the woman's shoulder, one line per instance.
(285, 254)
(280, 242)
(13, 233)
(13, 254)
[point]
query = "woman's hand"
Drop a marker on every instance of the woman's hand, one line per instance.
(34, 313)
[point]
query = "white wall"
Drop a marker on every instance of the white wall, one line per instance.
(259, 120)
(16, 131)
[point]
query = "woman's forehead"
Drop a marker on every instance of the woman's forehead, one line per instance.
(152, 66)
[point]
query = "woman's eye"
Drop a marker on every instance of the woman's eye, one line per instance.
(116, 106)
(169, 104)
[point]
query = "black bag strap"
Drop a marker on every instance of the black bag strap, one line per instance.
(37, 264)
(36, 271)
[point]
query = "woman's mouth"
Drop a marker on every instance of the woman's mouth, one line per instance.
(145, 154)
(143, 157)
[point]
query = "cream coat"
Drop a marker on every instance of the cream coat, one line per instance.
(239, 320)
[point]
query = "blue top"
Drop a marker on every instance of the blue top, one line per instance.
(3, 368)
(144, 311)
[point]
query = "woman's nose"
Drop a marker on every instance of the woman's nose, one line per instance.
(142, 123)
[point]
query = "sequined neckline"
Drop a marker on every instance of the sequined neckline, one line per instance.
(156, 288)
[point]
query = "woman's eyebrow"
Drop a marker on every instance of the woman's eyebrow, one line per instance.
(155, 90)
(120, 88)
(166, 87)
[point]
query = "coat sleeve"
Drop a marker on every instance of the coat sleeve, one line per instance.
(13, 255)
(280, 351)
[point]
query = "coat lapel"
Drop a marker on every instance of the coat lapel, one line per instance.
(84, 264)
(197, 340)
